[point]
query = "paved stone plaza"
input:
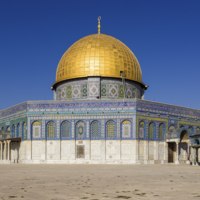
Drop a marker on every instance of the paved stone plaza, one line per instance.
(97, 182)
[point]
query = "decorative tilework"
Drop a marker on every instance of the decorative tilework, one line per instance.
(101, 110)
(69, 91)
(126, 129)
(110, 129)
(113, 90)
(80, 130)
(84, 90)
(110, 88)
(95, 129)
(65, 129)
(76, 92)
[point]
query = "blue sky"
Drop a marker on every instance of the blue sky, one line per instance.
(163, 34)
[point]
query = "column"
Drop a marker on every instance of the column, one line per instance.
(165, 156)
(188, 153)
(8, 141)
(1, 156)
(146, 152)
(196, 156)
(5, 149)
(177, 153)
(156, 152)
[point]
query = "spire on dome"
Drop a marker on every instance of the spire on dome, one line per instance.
(99, 24)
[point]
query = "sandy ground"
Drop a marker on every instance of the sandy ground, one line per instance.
(99, 182)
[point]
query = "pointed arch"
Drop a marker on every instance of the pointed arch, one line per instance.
(141, 133)
(126, 129)
(161, 131)
(51, 130)
(36, 129)
(95, 130)
(110, 129)
(65, 130)
(151, 131)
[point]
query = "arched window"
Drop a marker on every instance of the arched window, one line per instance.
(65, 129)
(8, 132)
(151, 131)
(141, 129)
(126, 129)
(13, 130)
(24, 130)
(36, 129)
(110, 129)
(51, 130)
(95, 132)
(161, 131)
(80, 130)
(18, 129)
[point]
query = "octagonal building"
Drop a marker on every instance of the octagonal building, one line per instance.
(99, 115)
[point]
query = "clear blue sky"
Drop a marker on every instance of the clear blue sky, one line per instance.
(163, 34)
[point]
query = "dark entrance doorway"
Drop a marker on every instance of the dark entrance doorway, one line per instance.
(80, 151)
(171, 152)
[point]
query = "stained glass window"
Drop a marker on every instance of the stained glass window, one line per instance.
(51, 130)
(141, 130)
(110, 129)
(161, 131)
(95, 129)
(126, 129)
(36, 129)
(151, 131)
(65, 129)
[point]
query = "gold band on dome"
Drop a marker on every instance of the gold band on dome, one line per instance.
(98, 55)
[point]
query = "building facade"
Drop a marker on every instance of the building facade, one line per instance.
(99, 115)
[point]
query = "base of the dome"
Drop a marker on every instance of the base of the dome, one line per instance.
(98, 88)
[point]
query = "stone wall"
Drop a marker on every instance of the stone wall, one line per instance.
(97, 152)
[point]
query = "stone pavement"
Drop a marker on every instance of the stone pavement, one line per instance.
(99, 182)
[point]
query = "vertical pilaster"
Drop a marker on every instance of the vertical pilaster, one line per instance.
(188, 153)
(8, 141)
(165, 152)
(5, 149)
(146, 152)
(155, 150)
(1, 156)
(177, 153)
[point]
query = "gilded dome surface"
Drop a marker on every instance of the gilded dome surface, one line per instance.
(98, 55)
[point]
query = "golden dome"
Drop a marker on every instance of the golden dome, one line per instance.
(98, 55)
